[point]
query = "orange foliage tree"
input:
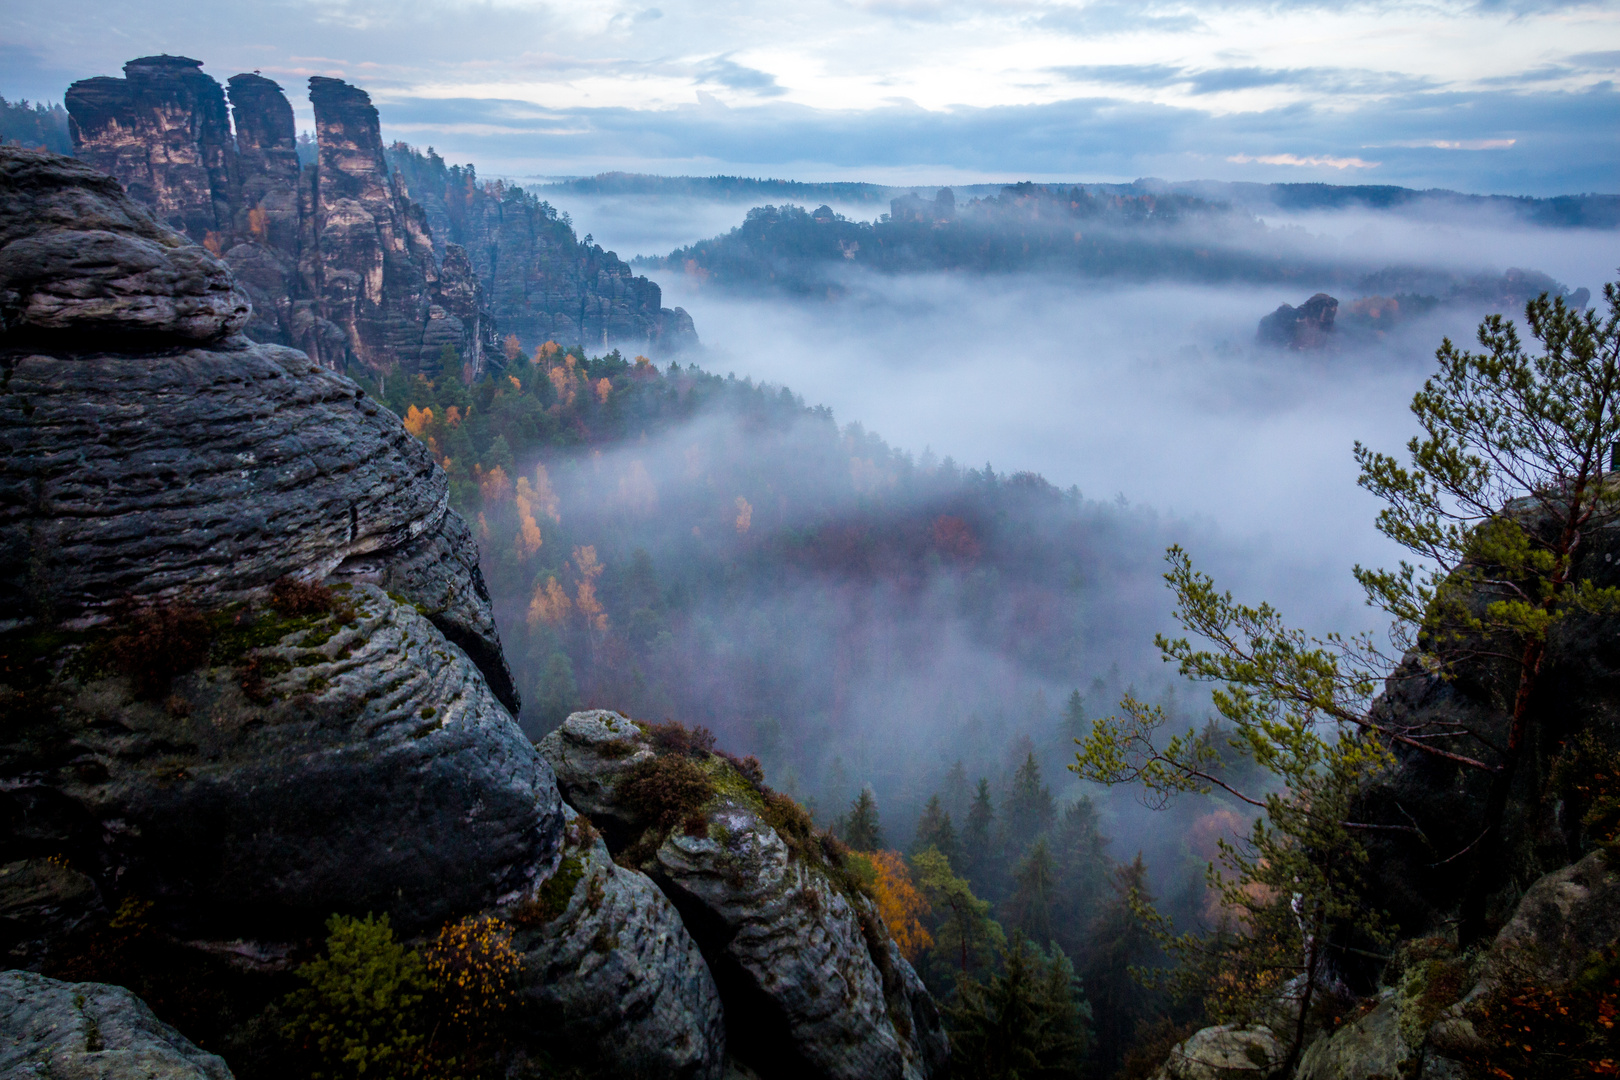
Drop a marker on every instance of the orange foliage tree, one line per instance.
(899, 903)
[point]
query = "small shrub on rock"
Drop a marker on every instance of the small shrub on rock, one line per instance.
(362, 1012)
(1534, 1031)
(673, 737)
(159, 643)
(665, 791)
(293, 598)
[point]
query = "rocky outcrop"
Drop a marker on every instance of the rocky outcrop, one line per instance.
(298, 764)
(1225, 1052)
(51, 1028)
(543, 283)
(605, 952)
(812, 983)
(337, 259)
(250, 660)
(1369, 1045)
(1308, 326)
(163, 131)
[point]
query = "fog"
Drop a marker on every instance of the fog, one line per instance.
(1152, 398)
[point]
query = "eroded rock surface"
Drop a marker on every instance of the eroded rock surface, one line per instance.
(90, 1030)
(1224, 1052)
(1367, 1047)
(605, 952)
(812, 983)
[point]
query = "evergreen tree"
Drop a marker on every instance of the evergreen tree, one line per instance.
(1083, 871)
(956, 789)
(1029, 807)
(1074, 716)
(965, 936)
(977, 856)
(861, 829)
(1029, 909)
(935, 830)
(1026, 1023)
(1119, 940)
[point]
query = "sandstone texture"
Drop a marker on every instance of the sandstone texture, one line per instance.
(617, 968)
(249, 667)
(1225, 1052)
(1367, 1047)
(812, 983)
(337, 258)
(200, 472)
(90, 1031)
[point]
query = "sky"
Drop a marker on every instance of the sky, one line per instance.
(1511, 97)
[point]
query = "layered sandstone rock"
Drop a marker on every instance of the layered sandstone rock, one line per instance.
(543, 283)
(607, 955)
(201, 728)
(51, 1028)
(812, 983)
(337, 259)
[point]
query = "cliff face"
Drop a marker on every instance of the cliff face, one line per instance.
(337, 259)
(543, 283)
(248, 663)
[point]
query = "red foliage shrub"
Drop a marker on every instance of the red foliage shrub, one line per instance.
(160, 643)
(676, 738)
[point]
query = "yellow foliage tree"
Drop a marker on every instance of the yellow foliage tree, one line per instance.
(590, 608)
(495, 487)
(417, 420)
(549, 605)
(528, 529)
(511, 348)
(899, 903)
(603, 389)
(545, 498)
(546, 351)
(475, 967)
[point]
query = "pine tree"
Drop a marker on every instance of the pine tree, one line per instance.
(955, 801)
(1119, 940)
(1026, 1023)
(964, 934)
(1029, 807)
(1083, 871)
(1029, 909)
(977, 857)
(861, 828)
(935, 830)
(1074, 716)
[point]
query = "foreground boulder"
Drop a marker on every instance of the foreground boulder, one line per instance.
(605, 953)
(250, 670)
(812, 982)
(58, 1029)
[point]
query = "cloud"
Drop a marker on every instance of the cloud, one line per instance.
(735, 76)
(1314, 162)
(1228, 79)
(1560, 142)
(1105, 19)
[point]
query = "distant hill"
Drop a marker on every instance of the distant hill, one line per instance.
(1589, 211)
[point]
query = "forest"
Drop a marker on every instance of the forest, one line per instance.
(1134, 235)
(887, 635)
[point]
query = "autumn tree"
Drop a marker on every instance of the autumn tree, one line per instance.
(899, 904)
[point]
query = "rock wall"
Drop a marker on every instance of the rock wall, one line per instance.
(337, 259)
(543, 282)
(812, 983)
(248, 663)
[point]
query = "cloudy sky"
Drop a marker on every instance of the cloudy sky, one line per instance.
(1517, 96)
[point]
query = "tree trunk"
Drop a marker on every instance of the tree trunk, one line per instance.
(1312, 955)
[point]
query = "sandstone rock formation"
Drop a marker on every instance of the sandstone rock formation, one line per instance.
(812, 983)
(308, 763)
(606, 953)
(1308, 326)
(1224, 1052)
(51, 1028)
(338, 260)
(542, 282)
